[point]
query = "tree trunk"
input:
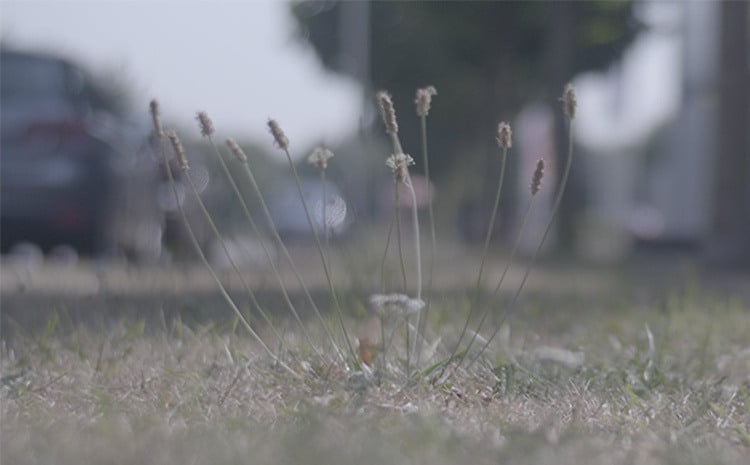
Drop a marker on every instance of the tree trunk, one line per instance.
(560, 58)
(729, 243)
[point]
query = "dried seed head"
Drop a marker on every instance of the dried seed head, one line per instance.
(387, 112)
(569, 101)
(278, 134)
(236, 150)
(178, 150)
(319, 157)
(400, 305)
(156, 118)
(536, 179)
(399, 164)
(207, 126)
(504, 135)
(424, 100)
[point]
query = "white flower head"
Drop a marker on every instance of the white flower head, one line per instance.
(387, 305)
(399, 164)
(319, 157)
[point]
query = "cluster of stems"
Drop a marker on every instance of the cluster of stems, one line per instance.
(399, 163)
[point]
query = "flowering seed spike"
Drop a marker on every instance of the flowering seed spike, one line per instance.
(178, 150)
(156, 118)
(569, 101)
(319, 157)
(424, 100)
(278, 134)
(235, 148)
(504, 135)
(399, 164)
(207, 126)
(536, 179)
(387, 112)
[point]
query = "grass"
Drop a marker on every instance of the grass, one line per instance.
(605, 382)
(570, 378)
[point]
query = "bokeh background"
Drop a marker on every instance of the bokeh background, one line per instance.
(662, 136)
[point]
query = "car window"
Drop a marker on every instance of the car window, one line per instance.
(29, 77)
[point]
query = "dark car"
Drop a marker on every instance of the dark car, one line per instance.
(71, 172)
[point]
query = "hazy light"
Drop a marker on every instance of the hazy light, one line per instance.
(238, 61)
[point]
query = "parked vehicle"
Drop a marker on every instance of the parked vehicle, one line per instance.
(72, 173)
(288, 213)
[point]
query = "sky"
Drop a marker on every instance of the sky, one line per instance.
(239, 61)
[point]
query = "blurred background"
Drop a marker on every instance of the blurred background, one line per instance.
(662, 135)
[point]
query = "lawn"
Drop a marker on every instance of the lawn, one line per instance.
(642, 371)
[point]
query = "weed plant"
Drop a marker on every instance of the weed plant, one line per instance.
(400, 313)
(662, 384)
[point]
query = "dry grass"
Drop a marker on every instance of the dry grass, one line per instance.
(569, 384)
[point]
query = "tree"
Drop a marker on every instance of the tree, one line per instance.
(485, 58)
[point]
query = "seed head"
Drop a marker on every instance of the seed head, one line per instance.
(178, 150)
(278, 134)
(569, 101)
(504, 135)
(389, 305)
(387, 112)
(319, 157)
(236, 150)
(399, 164)
(156, 118)
(536, 179)
(424, 100)
(207, 126)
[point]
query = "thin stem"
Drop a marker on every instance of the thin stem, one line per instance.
(287, 255)
(236, 268)
(415, 220)
(385, 252)
(415, 217)
(383, 347)
(210, 269)
(555, 208)
(332, 289)
(486, 312)
(270, 259)
(398, 235)
(517, 242)
(325, 218)
(488, 238)
(418, 250)
(422, 323)
(408, 346)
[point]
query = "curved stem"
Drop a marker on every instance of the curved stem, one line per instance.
(486, 312)
(385, 252)
(555, 208)
(325, 218)
(332, 289)
(236, 268)
(417, 247)
(422, 323)
(215, 277)
(398, 236)
(287, 255)
(488, 238)
(271, 261)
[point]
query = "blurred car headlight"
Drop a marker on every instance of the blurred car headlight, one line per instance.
(59, 172)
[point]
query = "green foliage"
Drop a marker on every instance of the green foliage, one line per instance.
(486, 59)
